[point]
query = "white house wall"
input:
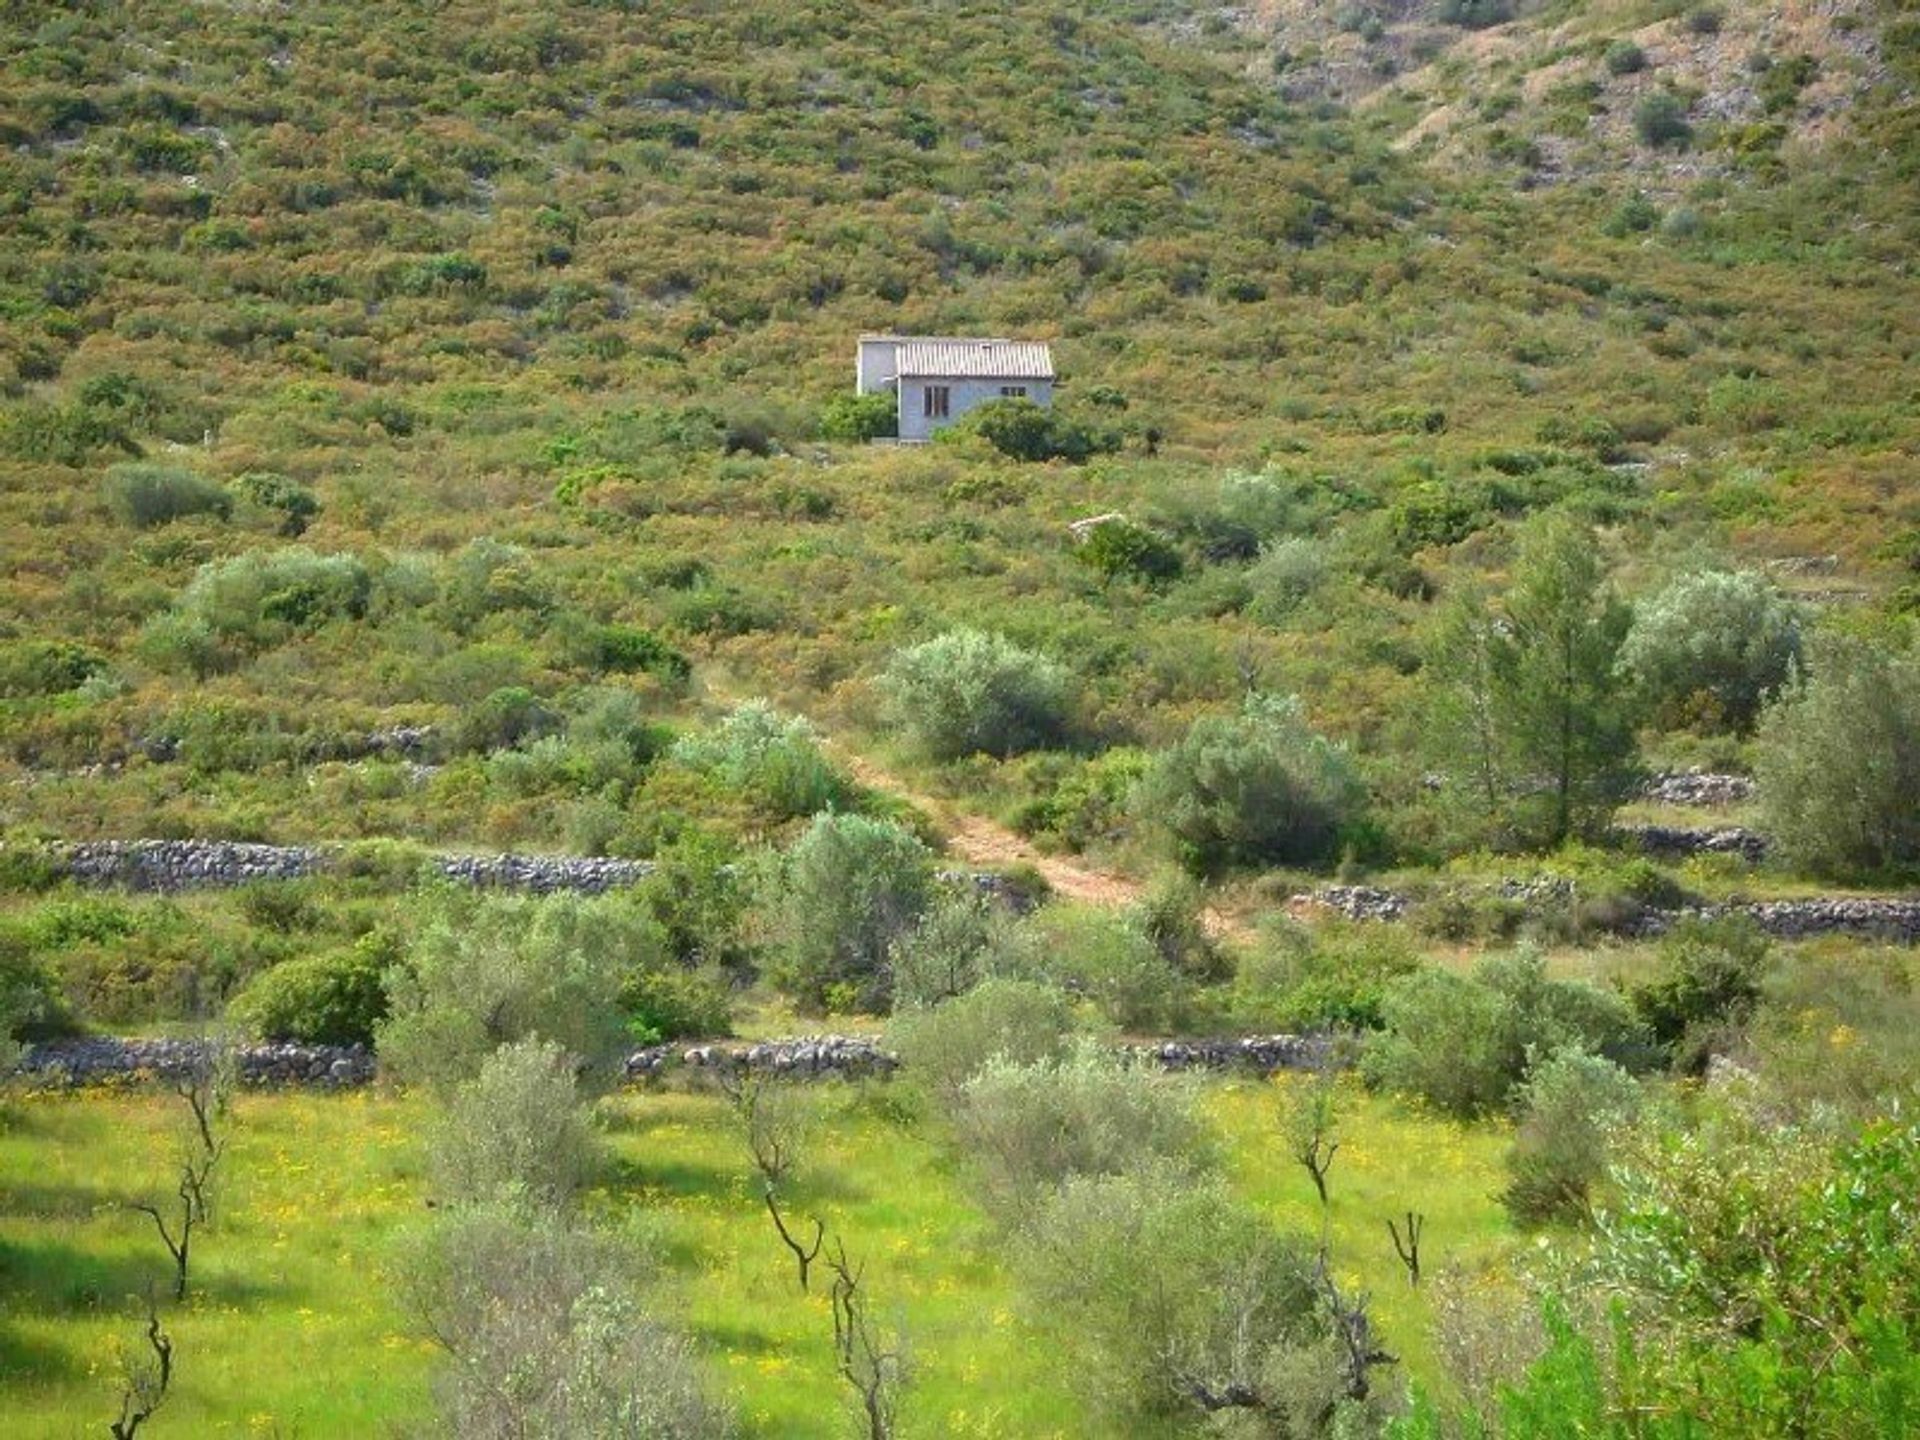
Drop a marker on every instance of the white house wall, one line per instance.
(879, 363)
(963, 395)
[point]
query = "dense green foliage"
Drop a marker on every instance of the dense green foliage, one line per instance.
(968, 692)
(837, 901)
(334, 998)
(1257, 788)
(1711, 647)
(1839, 759)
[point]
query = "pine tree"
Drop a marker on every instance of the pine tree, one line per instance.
(1533, 722)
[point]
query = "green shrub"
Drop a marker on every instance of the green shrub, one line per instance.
(483, 972)
(836, 902)
(1476, 14)
(1257, 788)
(669, 1002)
(506, 718)
(1120, 549)
(338, 998)
(962, 939)
(943, 1047)
(293, 502)
(1172, 916)
(488, 577)
(32, 1006)
(699, 895)
(1233, 517)
(1089, 804)
(1109, 961)
(1023, 430)
(860, 418)
(1837, 760)
(968, 692)
(1559, 1157)
(1661, 119)
(1709, 982)
(1623, 57)
(1329, 978)
(1285, 576)
(773, 757)
(1165, 1297)
(624, 649)
(515, 1131)
(144, 495)
(45, 667)
(509, 1289)
(1711, 647)
(1466, 1043)
(255, 601)
(1028, 1127)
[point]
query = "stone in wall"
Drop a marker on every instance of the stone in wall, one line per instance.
(96, 1060)
(1674, 841)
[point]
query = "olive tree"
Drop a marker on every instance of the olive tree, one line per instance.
(489, 972)
(1256, 788)
(1710, 647)
(547, 1330)
(944, 1047)
(517, 1127)
(1028, 1126)
(1173, 1303)
(837, 901)
(970, 691)
(1838, 759)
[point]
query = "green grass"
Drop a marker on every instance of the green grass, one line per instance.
(288, 1329)
(291, 1329)
(1393, 1157)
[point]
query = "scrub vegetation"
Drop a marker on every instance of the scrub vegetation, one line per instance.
(428, 431)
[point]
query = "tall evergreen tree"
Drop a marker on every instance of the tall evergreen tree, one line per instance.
(1533, 723)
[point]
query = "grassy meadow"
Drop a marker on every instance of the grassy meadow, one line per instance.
(291, 1331)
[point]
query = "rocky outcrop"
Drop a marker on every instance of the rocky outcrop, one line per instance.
(98, 1060)
(1676, 841)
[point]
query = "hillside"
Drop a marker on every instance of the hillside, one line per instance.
(470, 663)
(579, 281)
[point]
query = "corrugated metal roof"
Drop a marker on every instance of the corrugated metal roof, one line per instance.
(977, 359)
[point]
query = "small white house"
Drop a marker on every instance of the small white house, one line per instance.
(937, 379)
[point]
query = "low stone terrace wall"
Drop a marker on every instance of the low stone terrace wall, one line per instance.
(105, 1060)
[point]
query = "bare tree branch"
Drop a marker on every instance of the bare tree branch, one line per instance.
(1409, 1250)
(146, 1385)
(874, 1368)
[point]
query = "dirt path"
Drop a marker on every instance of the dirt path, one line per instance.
(987, 845)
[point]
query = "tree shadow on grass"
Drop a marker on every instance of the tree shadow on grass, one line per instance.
(55, 1278)
(27, 1361)
(30, 1201)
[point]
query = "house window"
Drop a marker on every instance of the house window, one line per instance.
(938, 398)
(1013, 392)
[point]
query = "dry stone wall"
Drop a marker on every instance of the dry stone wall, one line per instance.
(106, 1060)
(166, 866)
